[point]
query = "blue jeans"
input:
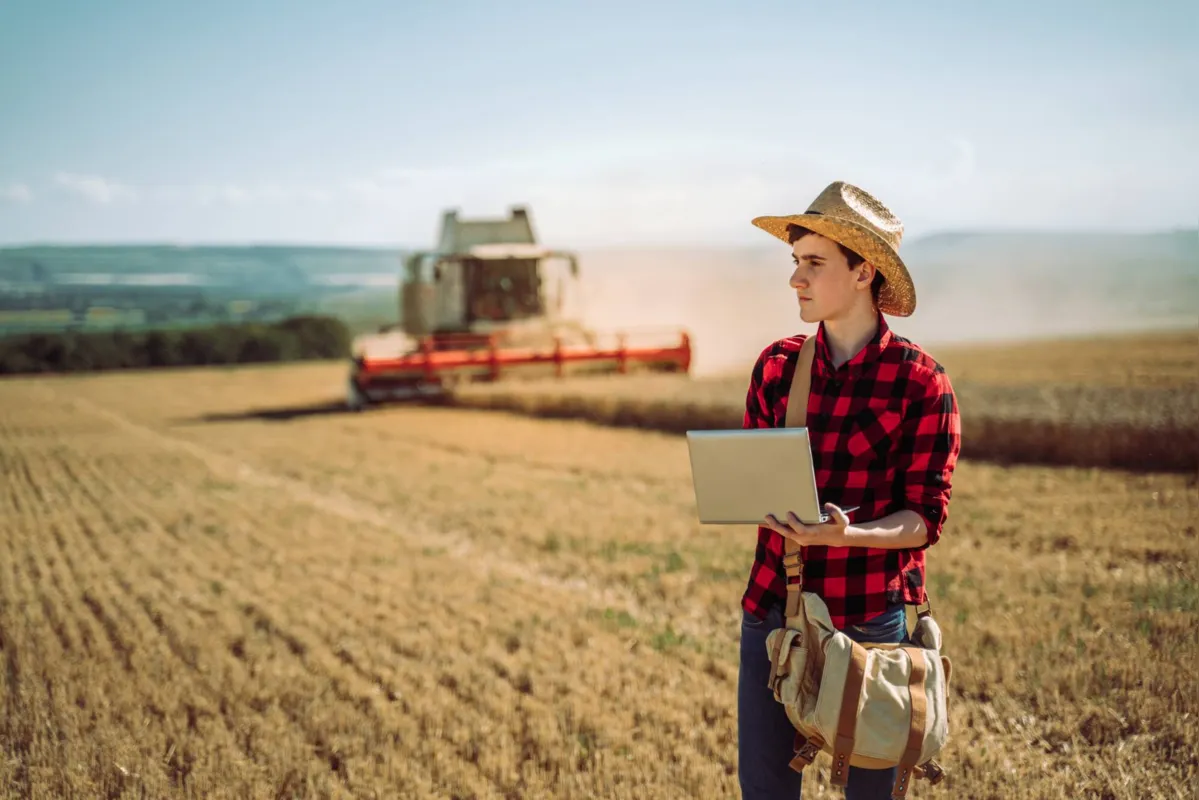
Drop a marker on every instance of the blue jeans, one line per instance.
(765, 737)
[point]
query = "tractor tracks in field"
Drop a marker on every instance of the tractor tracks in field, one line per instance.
(362, 685)
(107, 590)
(492, 561)
(125, 576)
(366, 686)
(157, 592)
(315, 639)
(123, 542)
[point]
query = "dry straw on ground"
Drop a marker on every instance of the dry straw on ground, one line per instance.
(212, 584)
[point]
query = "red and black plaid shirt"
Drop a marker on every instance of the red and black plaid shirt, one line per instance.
(885, 436)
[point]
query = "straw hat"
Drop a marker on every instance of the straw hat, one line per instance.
(852, 217)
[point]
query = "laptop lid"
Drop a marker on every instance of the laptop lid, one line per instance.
(741, 475)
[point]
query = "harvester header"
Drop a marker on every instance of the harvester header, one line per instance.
(490, 303)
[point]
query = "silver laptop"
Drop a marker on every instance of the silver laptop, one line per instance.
(741, 475)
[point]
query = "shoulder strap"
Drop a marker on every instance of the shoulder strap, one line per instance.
(797, 408)
(801, 385)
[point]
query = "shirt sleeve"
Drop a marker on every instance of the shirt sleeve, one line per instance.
(931, 440)
(757, 404)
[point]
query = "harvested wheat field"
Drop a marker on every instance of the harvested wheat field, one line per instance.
(1128, 402)
(214, 584)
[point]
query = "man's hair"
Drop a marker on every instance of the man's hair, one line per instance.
(797, 232)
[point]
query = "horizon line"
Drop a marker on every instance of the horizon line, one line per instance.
(1104, 232)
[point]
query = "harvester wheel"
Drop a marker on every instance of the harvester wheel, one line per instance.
(355, 400)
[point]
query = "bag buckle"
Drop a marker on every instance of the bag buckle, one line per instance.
(931, 771)
(806, 751)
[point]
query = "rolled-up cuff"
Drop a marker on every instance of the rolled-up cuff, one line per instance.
(934, 521)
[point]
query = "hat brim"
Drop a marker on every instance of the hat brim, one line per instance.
(898, 294)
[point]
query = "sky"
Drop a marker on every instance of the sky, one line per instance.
(615, 123)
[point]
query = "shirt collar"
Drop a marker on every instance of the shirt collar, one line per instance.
(862, 359)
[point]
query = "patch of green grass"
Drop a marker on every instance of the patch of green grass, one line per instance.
(1175, 595)
(941, 583)
(588, 740)
(1085, 620)
(673, 563)
(667, 639)
(618, 619)
(715, 573)
(610, 550)
(721, 563)
(977, 512)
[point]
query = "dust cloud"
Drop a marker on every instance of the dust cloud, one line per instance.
(734, 302)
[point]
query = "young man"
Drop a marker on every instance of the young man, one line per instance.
(885, 432)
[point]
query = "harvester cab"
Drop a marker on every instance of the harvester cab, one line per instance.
(490, 303)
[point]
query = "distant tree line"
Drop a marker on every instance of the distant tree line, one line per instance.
(293, 339)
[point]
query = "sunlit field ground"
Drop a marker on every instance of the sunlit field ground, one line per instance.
(213, 584)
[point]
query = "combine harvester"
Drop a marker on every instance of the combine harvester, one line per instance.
(491, 304)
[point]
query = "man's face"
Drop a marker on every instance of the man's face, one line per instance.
(825, 285)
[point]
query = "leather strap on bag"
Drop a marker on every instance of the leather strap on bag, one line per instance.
(797, 413)
(911, 753)
(847, 723)
(801, 385)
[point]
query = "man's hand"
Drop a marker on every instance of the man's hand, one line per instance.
(829, 534)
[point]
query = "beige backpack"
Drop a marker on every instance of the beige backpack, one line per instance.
(867, 705)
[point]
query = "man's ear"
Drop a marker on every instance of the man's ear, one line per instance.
(866, 272)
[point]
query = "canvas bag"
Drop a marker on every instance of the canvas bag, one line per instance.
(866, 705)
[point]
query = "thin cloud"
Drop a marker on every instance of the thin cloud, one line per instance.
(105, 191)
(243, 195)
(391, 182)
(95, 188)
(16, 193)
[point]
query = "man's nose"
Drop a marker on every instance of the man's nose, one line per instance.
(796, 280)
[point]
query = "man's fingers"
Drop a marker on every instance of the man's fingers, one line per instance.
(836, 513)
(796, 531)
(780, 527)
(793, 524)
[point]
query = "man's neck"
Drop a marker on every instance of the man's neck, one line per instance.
(849, 334)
